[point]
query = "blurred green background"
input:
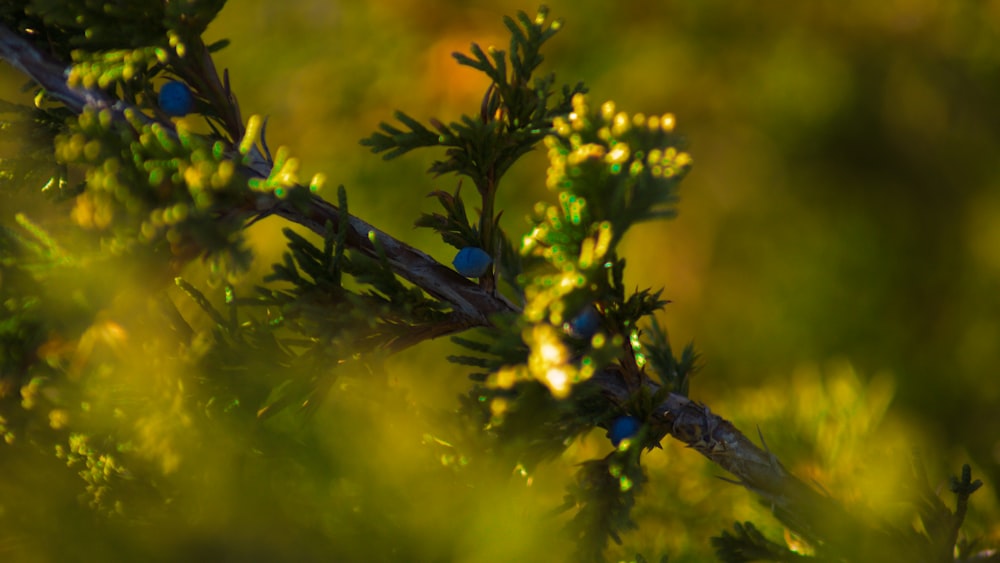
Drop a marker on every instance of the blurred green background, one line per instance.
(836, 259)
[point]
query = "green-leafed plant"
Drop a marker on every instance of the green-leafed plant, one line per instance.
(109, 390)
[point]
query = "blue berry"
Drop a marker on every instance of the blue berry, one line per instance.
(176, 99)
(623, 427)
(472, 262)
(585, 323)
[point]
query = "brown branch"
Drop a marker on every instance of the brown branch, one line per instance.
(49, 74)
(473, 304)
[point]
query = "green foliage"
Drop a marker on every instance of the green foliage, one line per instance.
(148, 185)
(454, 227)
(148, 181)
(604, 494)
(937, 539)
(517, 112)
(378, 312)
(23, 322)
(675, 373)
(62, 27)
(625, 166)
(575, 243)
(34, 162)
(747, 543)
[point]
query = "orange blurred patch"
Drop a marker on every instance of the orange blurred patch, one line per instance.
(450, 84)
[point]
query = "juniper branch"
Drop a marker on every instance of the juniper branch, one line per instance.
(695, 425)
(799, 505)
(472, 305)
(49, 74)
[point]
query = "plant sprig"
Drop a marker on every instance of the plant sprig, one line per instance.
(516, 113)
